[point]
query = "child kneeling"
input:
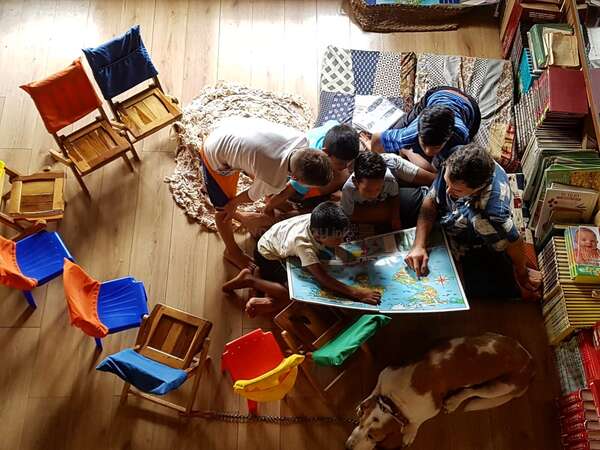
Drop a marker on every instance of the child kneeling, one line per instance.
(305, 237)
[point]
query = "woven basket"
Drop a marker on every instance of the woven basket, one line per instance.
(398, 17)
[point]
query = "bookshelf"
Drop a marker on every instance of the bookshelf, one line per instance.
(591, 76)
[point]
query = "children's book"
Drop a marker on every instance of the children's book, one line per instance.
(583, 253)
(378, 263)
(374, 113)
(564, 203)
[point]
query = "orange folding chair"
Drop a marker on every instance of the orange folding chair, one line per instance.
(62, 99)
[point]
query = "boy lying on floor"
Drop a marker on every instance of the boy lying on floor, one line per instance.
(341, 144)
(372, 195)
(269, 153)
(304, 236)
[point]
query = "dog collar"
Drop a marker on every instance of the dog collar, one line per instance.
(388, 405)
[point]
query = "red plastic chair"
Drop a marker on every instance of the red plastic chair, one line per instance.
(250, 356)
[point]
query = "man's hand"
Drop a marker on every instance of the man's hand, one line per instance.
(369, 296)
(417, 260)
(229, 209)
(530, 280)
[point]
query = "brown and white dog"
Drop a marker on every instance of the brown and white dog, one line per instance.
(477, 373)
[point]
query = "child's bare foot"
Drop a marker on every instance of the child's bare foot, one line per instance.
(239, 259)
(255, 223)
(260, 305)
(241, 281)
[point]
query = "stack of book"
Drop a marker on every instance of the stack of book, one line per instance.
(516, 11)
(552, 44)
(548, 107)
(578, 362)
(567, 306)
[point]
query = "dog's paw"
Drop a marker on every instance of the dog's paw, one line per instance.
(409, 435)
(451, 404)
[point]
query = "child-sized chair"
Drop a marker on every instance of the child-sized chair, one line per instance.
(171, 347)
(62, 99)
(259, 371)
(99, 309)
(121, 64)
(329, 338)
(32, 198)
(32, 262)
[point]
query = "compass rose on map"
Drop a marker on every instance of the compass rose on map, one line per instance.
(441, 279)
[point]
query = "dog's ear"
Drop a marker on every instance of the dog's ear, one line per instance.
(366, 406)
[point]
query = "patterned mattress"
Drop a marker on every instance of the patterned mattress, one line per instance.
(405, 77)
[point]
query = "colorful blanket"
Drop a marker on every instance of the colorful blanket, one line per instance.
(405, 77)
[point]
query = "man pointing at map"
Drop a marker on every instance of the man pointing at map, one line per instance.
(471, 198)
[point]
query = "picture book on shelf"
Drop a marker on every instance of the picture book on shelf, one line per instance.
(565, 203)
(583, 253)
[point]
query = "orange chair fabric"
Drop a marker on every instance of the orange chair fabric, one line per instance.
(81, 291)
(10, 273)
(64, 97)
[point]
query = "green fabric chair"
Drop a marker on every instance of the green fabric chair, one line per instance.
(337, 351)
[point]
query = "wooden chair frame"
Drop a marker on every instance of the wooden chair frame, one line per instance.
(300, 340)
(168, 102)
(116, 130)
(194, 362)
(36, 223)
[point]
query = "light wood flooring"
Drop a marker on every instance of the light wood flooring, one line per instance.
(51, 397)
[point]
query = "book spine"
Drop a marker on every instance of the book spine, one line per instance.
(511, 28)
(579, 395)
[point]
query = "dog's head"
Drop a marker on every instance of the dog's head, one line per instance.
(380, 427)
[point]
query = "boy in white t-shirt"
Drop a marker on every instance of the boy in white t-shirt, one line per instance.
(304, 236)
(267, 152)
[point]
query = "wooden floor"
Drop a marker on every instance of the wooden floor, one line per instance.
(50, 395)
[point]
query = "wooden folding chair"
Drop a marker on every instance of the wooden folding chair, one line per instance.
(64, 98)
(121, 64)
(176, 339)
(306, 328)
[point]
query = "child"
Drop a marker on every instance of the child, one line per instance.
(444, 118)
(304, 236)
(267, 152)
(586, 250)
(371, 194)
(341, 144)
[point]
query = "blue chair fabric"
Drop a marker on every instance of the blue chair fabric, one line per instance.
(41, 256)
(121, 63)
(121, 304)
(145, 374)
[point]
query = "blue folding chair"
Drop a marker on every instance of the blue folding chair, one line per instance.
(122, 63)
(40, 257)
(99, 309)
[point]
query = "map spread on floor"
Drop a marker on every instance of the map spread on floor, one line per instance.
(378, 263)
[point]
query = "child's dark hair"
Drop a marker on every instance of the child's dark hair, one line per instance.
(328, 219)
(369, 165)
(342, 142)
(313, 167)
(470, 164)
(436, 124)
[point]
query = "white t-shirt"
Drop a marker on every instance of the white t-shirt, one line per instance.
(290, 237)
(351, 196)
(402, 169)
(260, 148)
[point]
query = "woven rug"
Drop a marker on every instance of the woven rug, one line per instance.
(201, 117)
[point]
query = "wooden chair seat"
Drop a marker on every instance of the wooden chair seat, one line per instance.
(37, 197)
(94, 146)
(176, 339)
(147, 112)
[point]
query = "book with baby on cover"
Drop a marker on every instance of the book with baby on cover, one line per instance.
(583, 253)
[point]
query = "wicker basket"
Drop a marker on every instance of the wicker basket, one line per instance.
(399, 17)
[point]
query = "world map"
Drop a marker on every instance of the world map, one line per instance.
(378, 263)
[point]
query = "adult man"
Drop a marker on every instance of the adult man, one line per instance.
(472, 200)
(444, 118)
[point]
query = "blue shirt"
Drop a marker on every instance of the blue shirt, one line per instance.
(482, 219)
(316, 137)
(396, 139)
